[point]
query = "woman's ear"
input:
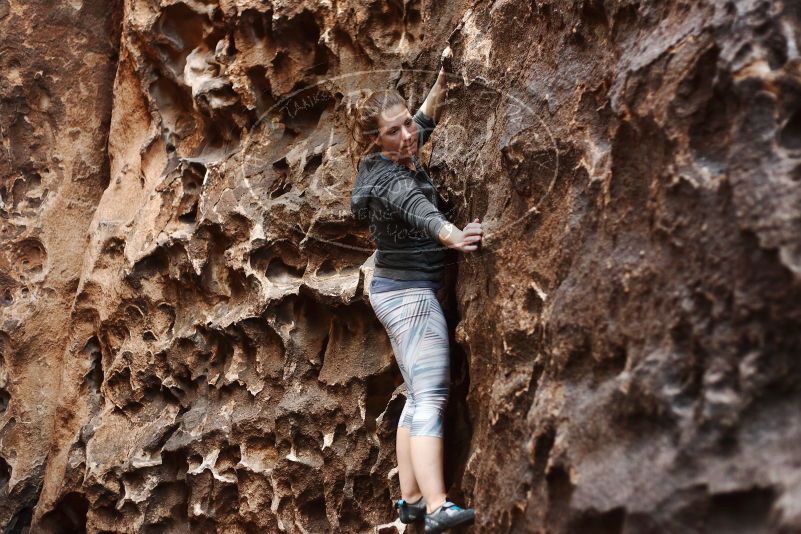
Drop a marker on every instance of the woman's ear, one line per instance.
(377, 141)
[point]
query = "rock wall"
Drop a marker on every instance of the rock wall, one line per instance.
(57, 64)
(625, 344)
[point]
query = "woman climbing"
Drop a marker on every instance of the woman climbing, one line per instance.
(394, 192)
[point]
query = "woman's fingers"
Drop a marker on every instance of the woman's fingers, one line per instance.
(474, 225)
(471, 236)
(470, 244)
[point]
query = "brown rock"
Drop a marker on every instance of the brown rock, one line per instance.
(186, 339)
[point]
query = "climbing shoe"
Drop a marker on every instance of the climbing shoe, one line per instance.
(448, 516)
(410, 512)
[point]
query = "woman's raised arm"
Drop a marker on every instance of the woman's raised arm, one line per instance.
(432, 105)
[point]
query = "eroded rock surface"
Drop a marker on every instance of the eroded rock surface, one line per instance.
(186, 339)
(57, 64)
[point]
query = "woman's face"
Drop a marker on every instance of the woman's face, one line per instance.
(397, 135)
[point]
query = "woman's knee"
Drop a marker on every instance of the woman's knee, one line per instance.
(429, 412)
(407, 414)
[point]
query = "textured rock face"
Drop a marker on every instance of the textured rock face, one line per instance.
(186, 341)
(57, 64)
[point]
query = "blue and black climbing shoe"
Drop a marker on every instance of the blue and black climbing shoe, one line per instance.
(448, 516)
(410, 512)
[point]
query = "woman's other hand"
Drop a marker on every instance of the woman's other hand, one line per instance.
(465, 240)
(472, 234)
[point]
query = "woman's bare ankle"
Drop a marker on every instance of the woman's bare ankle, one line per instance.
(431, 507)
(412, 498)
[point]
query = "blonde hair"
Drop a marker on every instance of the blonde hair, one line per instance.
(364, 122)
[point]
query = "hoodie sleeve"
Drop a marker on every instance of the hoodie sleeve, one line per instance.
(402, 197)
(425, 127)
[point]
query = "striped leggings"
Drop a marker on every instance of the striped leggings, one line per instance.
(418, 333)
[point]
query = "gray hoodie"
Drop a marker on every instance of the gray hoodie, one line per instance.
(401, 207)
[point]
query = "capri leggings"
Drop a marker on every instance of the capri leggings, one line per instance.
(418, 333)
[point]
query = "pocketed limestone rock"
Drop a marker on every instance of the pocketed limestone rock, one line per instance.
(187, 342)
